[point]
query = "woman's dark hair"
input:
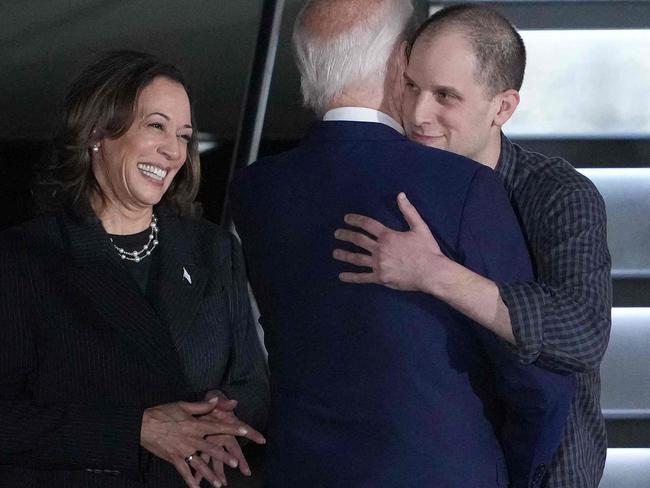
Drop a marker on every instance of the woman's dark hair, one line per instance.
(101, 102)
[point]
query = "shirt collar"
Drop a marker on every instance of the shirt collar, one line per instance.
(362, 114)
(505, 167)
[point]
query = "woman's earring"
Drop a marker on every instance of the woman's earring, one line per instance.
(95, 148)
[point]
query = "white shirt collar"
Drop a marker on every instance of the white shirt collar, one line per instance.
(362, 114)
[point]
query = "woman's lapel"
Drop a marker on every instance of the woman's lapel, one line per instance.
(183, 275)
(102, 279)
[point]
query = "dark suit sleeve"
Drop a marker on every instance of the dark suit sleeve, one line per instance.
(247, 380)
(536, 401)
(51, 436)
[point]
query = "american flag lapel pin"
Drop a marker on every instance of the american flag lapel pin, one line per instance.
(186, 276)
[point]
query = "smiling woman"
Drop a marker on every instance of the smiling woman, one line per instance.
(123, 104)
(135, 170)
(129, 357)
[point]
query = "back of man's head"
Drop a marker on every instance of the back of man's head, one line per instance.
(338, 43)
(498, 47)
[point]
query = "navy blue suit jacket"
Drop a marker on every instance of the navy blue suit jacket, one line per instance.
(372, 386)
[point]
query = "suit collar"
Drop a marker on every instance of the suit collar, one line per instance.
(362, 114)
(87, 240)
(183, 275)
(352, 131)
(148, 328)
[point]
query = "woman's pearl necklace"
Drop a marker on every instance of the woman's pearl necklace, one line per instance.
(137, 256)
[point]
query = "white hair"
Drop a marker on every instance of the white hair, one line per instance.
(328, 64)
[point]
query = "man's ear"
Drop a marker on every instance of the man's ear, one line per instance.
(400, 58)
(395, 80)
(404, 48)
(507, 103)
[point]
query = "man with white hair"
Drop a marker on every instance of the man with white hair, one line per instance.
(372, 386)
(465, 70)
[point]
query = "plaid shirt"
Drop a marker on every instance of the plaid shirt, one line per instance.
(562, 321)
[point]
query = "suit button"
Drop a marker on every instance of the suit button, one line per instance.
(539, 473)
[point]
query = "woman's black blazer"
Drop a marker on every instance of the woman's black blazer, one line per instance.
(83, 352)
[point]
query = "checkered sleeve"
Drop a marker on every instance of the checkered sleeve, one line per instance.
(562, 320)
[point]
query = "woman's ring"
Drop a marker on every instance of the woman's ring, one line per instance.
(190, 457)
